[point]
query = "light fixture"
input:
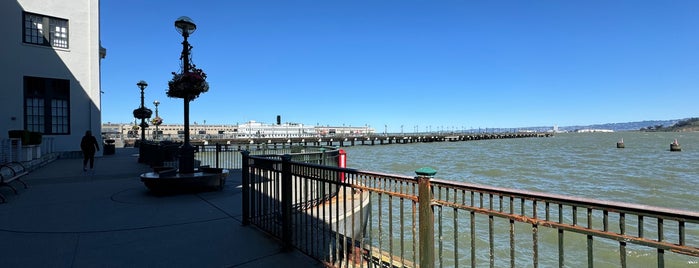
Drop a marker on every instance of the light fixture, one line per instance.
(185, 26)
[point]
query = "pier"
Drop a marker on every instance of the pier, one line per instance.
(228, 150)
(368, 140)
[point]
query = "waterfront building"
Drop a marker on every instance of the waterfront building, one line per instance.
(344, 131)
(250, 129)
(51, 81)
(589, 130)
(253, 129)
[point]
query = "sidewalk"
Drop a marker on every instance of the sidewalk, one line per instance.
(68, 218)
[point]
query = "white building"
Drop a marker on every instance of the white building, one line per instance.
(591, 130)
(51, 79)
(250, 129)
(254, 129)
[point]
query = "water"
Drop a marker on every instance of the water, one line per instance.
(584, 165)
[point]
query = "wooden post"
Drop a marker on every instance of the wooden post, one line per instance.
(425, 216)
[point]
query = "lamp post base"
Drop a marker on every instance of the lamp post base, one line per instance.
(186, 164)
(164, 180)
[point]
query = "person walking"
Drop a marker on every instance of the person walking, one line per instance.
(89, 146)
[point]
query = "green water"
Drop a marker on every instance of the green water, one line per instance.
(583, 165)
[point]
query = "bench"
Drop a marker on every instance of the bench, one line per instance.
(9, 172)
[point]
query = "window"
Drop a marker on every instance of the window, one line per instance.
(45, 31)
(47, 105)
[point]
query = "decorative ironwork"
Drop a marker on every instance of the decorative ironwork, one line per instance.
(142, 113)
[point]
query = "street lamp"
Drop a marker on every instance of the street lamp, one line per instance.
(156, 103)
(185, 26)
(142, 85)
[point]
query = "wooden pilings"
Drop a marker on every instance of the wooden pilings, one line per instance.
(369, 140)
(675, 146)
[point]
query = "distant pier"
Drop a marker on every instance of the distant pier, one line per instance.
(369, 140)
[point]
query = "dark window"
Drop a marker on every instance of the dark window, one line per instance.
(47, 105)
(45, 30)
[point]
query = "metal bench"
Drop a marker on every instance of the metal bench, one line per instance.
(9, 172)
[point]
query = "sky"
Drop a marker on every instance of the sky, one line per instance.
(401, 65)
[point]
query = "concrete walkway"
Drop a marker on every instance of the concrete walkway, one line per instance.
(68, 218)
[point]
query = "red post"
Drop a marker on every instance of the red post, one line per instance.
(342, 162)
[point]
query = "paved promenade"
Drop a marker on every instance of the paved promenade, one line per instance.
(68, 218)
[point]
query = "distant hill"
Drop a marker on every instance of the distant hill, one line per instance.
(628, 126)
(684, 125)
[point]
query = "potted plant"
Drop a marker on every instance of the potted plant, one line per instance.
(188, 84)
(30, 143)
(142, 113)
(157, 121)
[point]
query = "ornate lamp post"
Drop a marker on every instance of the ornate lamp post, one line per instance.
(157, 119)
(142, 85)
(142, 113)
(187, 85)
(186, 26)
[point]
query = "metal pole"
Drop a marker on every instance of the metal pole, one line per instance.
(143, 129)
(186, 164)
(286, 201)
(246, 187)
(218, 153)
(156, 103)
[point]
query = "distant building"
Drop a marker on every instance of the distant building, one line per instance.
(588, 130)
(51, 79)
(250, 129)
(254, 129)
(344, 131)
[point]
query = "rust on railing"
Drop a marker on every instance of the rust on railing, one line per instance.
(438, 223)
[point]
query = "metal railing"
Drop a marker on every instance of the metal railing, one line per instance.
(421, 221)
(229, 156)
(12, 150)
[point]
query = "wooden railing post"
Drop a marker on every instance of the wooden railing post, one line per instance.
(286, 200)
(246, 187)
(425, 216)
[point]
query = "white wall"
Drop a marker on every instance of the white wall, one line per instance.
(79, 63)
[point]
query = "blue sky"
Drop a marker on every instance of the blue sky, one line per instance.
(445, 64)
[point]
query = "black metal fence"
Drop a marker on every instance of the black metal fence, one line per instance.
(165, 153)
(345, 217)
(230, 157)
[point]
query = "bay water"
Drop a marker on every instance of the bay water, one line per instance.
(575, 164)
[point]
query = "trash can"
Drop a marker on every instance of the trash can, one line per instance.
(109, 147)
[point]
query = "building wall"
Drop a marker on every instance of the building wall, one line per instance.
(79, 63)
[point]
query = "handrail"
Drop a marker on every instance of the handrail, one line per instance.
(463, 219)
(568, 200)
